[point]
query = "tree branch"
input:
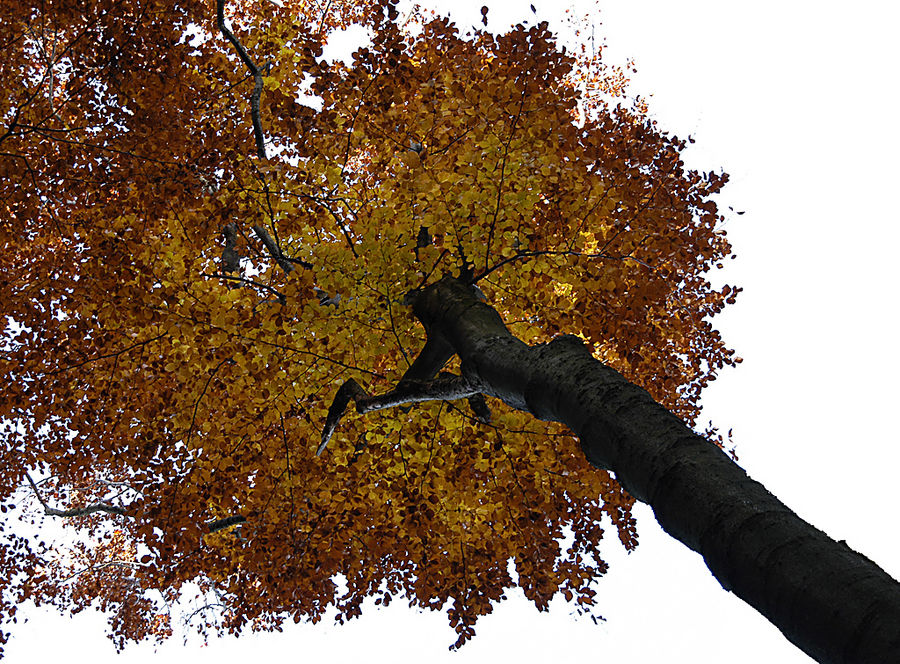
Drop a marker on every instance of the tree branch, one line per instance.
(287, 264)
(284, 262)
(227, 522)
(446, 387)
(231, 260)
(88, 510)
(254, 71)
(212, 526)
(430, 360)
(108, 355)
(76, 511)
(243, 280)
(531, 254)
(99, 566)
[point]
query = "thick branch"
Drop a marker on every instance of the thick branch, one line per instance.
(254, 71)
(430, 360)
(231, 260)
(227, 522)
(274, 250)
(286, 263)
(445, 387)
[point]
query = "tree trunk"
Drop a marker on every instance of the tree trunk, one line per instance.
(830, 601)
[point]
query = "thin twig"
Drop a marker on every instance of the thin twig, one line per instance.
(108, 355)
(112, 563)
(244, 280)
(533, 254)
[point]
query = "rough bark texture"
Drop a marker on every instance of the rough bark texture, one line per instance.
(832, 602)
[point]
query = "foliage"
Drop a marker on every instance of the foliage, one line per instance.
(167, 372)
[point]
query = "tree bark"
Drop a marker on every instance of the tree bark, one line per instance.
(830, 601)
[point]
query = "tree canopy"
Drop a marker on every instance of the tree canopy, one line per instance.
(208, 229)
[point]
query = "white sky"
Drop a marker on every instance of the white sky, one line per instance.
(798, 102)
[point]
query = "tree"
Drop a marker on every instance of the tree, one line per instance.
(592, 227)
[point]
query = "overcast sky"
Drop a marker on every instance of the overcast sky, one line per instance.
(798, 102)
